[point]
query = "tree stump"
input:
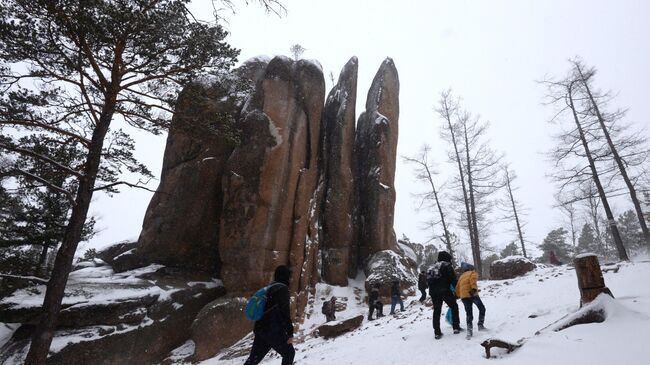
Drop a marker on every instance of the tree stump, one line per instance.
(590, 278)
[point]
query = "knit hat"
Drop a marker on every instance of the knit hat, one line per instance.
(282, 274)
(444, 256)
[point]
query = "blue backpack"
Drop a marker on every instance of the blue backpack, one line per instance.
(257, 303)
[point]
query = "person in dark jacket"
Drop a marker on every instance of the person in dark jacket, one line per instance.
(442, 279)
(374, 303)
(275, 329)
(395, 297)
(422, 285)
(329, 309)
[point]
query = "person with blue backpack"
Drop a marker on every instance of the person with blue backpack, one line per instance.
(442, 279)
(273, 329)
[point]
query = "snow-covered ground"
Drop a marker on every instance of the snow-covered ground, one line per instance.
(547, 295)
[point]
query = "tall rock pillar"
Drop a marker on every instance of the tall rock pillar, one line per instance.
(338, 247)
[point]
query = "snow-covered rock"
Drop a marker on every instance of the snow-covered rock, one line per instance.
(510, 267)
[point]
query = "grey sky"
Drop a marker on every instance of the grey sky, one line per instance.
(489, 52)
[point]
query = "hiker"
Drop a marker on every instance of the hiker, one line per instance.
(374, 303)
(422, 285)
(275, 329)
(442, 279)
(467, 291)
(553, 259)
(329, 309)
(395, 297)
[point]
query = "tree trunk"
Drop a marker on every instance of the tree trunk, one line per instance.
(44, 332)
(622, 254)
(514, 210)
(40, 269)
(476, 247)
(442, 215)
(617, 159)
(590, 278)
(461, 176)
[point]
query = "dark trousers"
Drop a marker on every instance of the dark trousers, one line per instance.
(379, 306)
(263, 343)
(424, 295)
(468, 303)
(393, 303)
(450, 300)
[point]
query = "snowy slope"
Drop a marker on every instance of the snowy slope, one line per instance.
(548, 294)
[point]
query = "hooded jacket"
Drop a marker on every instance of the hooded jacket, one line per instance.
(467, 281)
(441, 276)
(277, 313)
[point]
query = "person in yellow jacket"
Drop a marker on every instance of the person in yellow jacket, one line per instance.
(467, 291)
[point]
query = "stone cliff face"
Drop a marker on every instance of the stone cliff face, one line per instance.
(376, 149)
(338, 242)
(271, 180)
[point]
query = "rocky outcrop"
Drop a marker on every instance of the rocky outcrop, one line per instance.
(376, 151)
(338, 244)
(180, 227)
(271, 179)
(384, 267)
(337, 328)
(510, 267)
(220, 324)
(136, 317)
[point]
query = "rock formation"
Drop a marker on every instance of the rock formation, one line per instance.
(338, 245)
(259, 170)
(376, 151)
(180, 227)
(510, 267)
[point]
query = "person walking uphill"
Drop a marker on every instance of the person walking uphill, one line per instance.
(422, 286)
(275, 329)
(396, 297)
(467, 291)
(374, 303)
(442, 279)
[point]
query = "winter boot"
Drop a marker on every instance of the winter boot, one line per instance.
(481, 327)
(457, 330)
(469, 333)
(439, 336)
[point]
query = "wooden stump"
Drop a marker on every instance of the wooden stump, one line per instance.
(590, 278)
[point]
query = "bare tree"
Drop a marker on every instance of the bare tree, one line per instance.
(568, 208)
(477, 164)
(513, 206)
(424, 172)
(297, 51)
(565, 93)
(632, 146)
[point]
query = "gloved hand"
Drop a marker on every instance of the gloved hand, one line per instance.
(473, 292)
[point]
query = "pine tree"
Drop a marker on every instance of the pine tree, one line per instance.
(631, 232)
(587, 241)
(555, 241)
(68, 70)
(510, 250)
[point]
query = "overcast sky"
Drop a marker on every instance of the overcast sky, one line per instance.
(489, 52)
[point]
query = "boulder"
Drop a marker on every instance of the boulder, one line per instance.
(108, 254)
(338, 241)
(376, 151)
(220, 324)
(510, 267)
(337, 328)
(271, 180)
(386, 266)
